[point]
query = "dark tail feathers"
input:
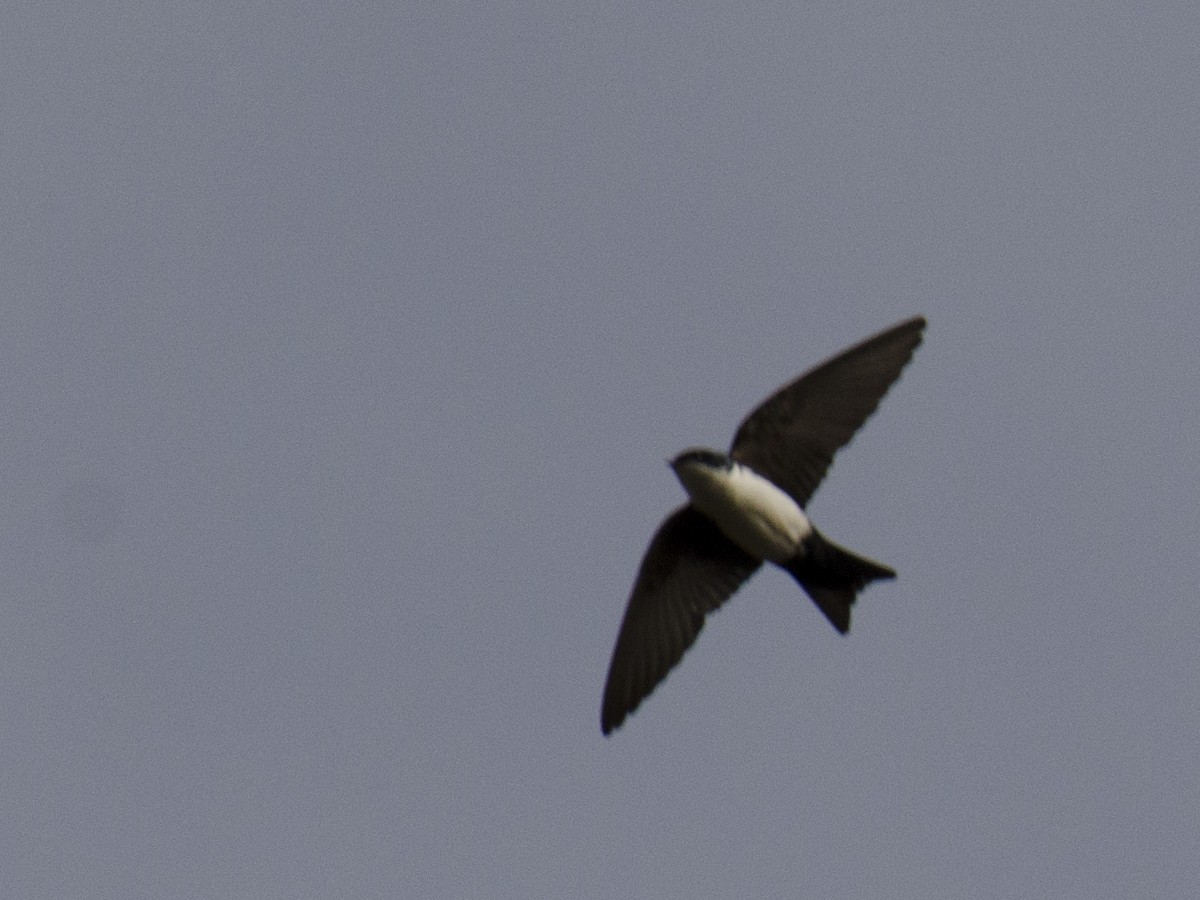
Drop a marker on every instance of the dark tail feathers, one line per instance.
(833, 576)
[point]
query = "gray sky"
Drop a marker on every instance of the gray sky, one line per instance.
(342, 349)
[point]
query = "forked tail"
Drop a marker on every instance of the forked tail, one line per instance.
(833, 576)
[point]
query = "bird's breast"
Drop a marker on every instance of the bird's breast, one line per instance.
(752, 512)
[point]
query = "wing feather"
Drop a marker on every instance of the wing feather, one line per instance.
(791, 437)
(689, 570)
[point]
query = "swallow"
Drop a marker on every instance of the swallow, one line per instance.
(747, 507)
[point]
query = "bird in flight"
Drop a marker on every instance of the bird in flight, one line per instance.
(746, 507)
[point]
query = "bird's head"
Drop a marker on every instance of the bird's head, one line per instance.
(701, 458)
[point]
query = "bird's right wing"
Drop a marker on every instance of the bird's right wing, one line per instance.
(689, 570)
(792, 435)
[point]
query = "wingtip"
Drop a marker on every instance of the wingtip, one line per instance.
(610, 723)
(915, 325)
(612, 712)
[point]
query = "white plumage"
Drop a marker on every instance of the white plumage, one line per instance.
(752, 512)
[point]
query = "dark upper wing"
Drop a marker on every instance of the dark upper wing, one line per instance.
(792, 436)
(689, 570)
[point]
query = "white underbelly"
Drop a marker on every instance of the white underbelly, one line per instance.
(752, 512)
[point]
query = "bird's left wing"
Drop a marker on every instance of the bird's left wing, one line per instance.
(689, 570)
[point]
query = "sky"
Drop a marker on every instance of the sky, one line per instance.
(343, 347)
